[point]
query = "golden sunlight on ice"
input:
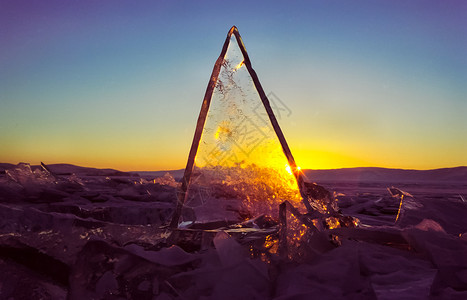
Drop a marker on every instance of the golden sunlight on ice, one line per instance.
(288, 169)
(239, 65)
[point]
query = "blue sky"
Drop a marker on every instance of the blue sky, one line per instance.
(119, 84)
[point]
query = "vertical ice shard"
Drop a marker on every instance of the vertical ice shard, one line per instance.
(239, 165)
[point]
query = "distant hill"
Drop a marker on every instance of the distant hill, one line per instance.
(67, 169)
(370, 174)
(366, 174)
(457, 174)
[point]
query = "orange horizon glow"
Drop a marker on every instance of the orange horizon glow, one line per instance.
(334, 161)
(137, 153)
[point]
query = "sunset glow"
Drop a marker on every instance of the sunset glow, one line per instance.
(116, 85)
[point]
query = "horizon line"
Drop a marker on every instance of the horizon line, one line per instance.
(178, 169)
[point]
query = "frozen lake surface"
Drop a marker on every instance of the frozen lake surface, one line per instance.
(99, 234)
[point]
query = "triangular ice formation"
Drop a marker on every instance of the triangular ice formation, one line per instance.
(239, 165)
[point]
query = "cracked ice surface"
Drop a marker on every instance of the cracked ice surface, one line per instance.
(98, 235)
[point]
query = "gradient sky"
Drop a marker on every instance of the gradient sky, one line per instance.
(119, 83)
